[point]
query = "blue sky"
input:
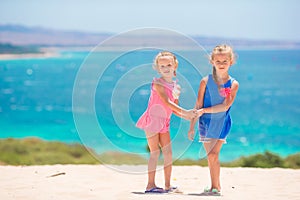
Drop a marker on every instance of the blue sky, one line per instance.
(255, 19)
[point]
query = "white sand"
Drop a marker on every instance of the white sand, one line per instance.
(101, 182)
(46, 52)
(27, 56)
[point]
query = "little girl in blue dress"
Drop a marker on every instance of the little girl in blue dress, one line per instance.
(216, 94)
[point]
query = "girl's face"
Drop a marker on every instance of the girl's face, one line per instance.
(222, 62)
(166, 66)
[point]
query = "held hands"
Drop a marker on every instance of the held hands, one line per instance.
(200, 112)
(194, 113)
(191, 132)
(191, 114)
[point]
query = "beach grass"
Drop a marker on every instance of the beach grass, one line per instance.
(34, 151)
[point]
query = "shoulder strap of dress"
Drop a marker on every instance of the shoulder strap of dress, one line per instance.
(231, 80)
(158, 81)
(154, 81)
(210, 80)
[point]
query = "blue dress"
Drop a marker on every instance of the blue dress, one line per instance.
(214, 125)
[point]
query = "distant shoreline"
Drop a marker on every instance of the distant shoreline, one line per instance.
(44, 53)
(26, 56)
(52, 52)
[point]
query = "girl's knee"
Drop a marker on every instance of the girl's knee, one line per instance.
(213, 156)
(167, 155)
(155, 153)
(167, 151)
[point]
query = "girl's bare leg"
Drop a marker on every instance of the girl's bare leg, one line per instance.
(153, 143)
(165, 142)
(212, 151)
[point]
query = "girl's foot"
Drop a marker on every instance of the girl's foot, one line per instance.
(215, 192)
(150, 186)
(173, 189)
(155, 190)
(212, 192)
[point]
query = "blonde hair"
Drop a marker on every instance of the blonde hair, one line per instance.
(222, 49)
(164, 54)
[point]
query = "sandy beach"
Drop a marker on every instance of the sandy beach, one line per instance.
(72, 182)
(45, 54)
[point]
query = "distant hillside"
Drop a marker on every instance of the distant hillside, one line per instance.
(22, 35)
(247, 44)
(13, 49)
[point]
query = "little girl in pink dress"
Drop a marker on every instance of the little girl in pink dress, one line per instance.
(156, 118)
(155, 121)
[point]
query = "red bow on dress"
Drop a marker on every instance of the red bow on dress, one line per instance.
(225, 92)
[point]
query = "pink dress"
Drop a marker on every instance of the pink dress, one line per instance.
(156, 118)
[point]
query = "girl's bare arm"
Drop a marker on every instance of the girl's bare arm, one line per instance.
(227, 102)
(187, 114)
(199, 102)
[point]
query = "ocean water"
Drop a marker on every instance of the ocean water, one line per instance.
(96, 100)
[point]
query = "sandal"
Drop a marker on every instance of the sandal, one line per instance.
(155, 190)
(174, 189)
(214, 192)
(206, 190)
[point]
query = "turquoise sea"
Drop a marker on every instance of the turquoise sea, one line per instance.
(37, 100)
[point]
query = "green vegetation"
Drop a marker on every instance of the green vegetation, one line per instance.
(265, 160)
(116, 158)
(33, 151)
(12, 49)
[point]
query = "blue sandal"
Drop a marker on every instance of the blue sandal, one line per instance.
(156, 190)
